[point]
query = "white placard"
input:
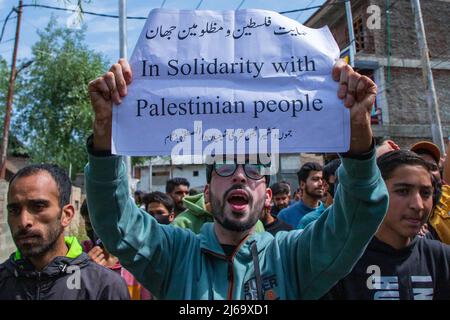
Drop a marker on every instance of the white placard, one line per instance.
(199, 76)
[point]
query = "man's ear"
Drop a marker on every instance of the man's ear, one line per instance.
(68, 213)
(171, 216)
(206, 193)
(268, 200)
(302, 185)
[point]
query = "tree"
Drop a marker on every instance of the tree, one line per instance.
(55, 115)
(15, 147)
(4, 75)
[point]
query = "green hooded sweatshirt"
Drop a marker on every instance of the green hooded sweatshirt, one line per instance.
(195, 215)
(174, 263)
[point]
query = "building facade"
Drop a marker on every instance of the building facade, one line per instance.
(387, 50)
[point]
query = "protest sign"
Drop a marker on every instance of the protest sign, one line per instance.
(202, 79)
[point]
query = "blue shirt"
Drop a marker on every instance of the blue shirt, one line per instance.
(293, 214)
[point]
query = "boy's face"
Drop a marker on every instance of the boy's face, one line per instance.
(160, 212)
(410, 200)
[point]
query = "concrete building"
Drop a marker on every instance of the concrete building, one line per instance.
(389, 53)
(153, 174)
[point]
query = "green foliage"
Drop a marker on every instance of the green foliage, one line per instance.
(138, 160)
(55, 116)
(15, 147)
(4, 79)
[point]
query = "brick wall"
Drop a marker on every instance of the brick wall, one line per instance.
(403, 32)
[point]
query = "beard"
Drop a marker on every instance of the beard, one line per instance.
(218, 207)
(314, 194)
(179, 207)
(41, 244)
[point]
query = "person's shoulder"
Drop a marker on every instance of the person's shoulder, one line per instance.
(103, 275)
(97, 271)
(434, 247)
(289, 210)
(110, 284)
(5, 267)
(3, 270)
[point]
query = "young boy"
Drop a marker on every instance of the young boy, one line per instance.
(397, 264)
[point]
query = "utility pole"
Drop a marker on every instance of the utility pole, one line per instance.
(9, 99)
(432, 102)
(351, 33)
(123, 54)
(150, 175)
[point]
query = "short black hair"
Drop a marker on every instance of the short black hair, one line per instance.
(390, 161)
(175, 182)
(159, 197)
(280, 188)
(330, 168)
(58, 174)
(304, 171)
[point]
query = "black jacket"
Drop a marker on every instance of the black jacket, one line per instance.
(63, 279)
(420, 271)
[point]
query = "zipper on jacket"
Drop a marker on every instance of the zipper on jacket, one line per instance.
(38, 293)
(229, 260)
(230, 273)
(230, 278)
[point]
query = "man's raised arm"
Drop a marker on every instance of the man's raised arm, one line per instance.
(143, 246)
(104, 91)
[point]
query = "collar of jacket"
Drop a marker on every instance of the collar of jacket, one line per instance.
(210, 243)
(72, 243)
(21, 266)
(382, 247)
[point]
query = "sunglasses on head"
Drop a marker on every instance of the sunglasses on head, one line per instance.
(252, 171)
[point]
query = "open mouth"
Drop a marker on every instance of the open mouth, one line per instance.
(238, 200)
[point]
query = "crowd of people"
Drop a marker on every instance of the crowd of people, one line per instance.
(373, 223)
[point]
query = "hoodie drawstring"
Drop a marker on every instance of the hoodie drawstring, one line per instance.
(259, 287)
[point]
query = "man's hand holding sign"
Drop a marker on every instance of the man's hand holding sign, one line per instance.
(358, 93)
(220, 80)
(293, 265)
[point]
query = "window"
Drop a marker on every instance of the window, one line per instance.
(195, 173)
(358, 29)
(137, 172)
